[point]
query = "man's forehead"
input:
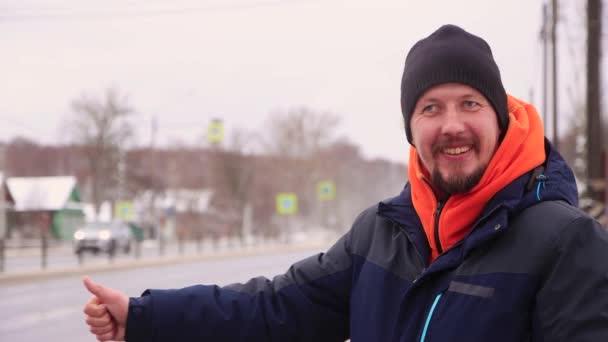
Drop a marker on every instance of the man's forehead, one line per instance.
(450, 90)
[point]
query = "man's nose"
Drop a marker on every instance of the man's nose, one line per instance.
(453, 122)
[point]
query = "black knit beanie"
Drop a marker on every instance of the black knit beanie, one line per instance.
(452, 55)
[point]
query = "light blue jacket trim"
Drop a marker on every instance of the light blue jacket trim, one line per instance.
(428, 317)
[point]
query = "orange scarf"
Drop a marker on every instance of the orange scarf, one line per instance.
(521, 150)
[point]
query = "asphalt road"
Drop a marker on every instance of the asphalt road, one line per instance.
(51, 309)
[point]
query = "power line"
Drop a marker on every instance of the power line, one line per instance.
(61, 13)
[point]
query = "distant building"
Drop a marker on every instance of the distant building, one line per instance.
(44, 204)
(178, 212)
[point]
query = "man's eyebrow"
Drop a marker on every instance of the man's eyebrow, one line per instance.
(464, 96)
(429, 99)
(470, 95)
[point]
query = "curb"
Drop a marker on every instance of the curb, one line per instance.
(33, 276)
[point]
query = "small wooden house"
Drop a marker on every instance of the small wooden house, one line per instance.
(49, 205)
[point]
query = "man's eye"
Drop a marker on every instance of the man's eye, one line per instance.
(470, 104)
(429, 108)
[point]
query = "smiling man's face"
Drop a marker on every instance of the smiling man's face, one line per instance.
(455, 131)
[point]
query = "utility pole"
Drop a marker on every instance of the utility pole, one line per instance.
(594, 111)
(554, 72)
(152, 166)
(122, 174)
(544, 38)
(3, 226)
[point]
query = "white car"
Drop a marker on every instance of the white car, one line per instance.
(107, 237)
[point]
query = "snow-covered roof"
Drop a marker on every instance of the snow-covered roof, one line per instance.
(41, 193)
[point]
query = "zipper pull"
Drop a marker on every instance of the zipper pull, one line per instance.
(436, 228)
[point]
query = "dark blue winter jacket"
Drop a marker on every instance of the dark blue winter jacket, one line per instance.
(533, 268)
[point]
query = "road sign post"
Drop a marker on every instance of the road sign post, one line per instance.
(45, 226)
(287, 206)
(326, 192)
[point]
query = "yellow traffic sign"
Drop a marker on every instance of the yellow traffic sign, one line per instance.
(287, 203)
(215, 131)
(326, 190)
(124, 210)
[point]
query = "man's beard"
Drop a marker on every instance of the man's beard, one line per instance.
(457, 184)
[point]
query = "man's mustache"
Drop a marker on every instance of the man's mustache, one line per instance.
(451, 141)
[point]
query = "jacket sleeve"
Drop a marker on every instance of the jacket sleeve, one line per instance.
(310, 302)
(572, 304)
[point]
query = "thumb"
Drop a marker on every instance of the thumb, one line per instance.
(100, 291)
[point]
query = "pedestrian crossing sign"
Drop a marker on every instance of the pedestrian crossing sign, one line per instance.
(215, 131)
(124, 210)
(326, 190)
(287, 203)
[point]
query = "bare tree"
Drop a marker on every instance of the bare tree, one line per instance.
(101, 126)
(296, 140)
(234, 170)
(299, 133)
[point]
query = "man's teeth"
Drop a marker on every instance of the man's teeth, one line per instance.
(456, 150)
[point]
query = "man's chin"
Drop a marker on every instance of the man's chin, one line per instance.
(456, 183)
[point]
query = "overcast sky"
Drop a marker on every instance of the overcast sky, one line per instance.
(186, 62)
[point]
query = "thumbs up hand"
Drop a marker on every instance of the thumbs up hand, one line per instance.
(106, 312)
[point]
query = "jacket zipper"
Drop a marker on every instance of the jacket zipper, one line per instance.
(440, 205)
(429, 316)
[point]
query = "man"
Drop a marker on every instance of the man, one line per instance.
(484, 244)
